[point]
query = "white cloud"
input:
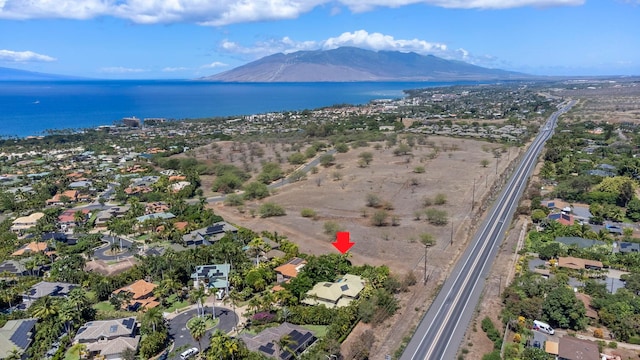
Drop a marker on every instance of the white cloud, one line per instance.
(377, 41)
(174, 69)
(24, 56)
(361, 39)
(120, 70)
(215, 64)
(224, 12)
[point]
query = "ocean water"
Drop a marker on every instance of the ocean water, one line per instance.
(31, 108)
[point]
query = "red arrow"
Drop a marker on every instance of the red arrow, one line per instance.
(342, 243)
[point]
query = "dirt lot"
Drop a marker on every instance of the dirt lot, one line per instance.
(342, 198)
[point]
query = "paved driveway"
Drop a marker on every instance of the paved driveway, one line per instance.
(182, 338)
(101, 253)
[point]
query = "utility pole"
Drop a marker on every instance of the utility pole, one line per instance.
(425, 264)
(452, 233)
(473, 196)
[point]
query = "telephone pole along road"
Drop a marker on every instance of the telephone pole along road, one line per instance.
(442, 329)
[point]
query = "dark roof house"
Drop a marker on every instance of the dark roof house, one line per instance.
(266, 341)
(16, 335)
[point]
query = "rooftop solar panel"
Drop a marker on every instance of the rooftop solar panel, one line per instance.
(296, 261)
(266, 350)
(21, 336)
(113, 328)
(344, 287)
(129, 323)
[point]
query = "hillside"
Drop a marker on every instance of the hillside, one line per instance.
(354, 64)
(9, 74)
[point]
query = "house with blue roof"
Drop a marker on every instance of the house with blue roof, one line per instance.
(214, 276)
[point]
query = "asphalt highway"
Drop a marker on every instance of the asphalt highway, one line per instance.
(442, 329)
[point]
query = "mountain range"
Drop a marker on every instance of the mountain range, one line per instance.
(9, 74)
(346, 64)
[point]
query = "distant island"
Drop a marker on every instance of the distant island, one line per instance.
(9, 74)
(354, 64)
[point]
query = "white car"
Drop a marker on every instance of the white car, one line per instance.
(189, 353)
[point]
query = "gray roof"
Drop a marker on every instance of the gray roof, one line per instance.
(45, 288)
(16, 334)
(162, 215)
(580, 242)
(626, 247)
(109, 329)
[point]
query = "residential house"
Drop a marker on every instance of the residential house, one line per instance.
(212, 276)
(13, 267)
(45, 288)
(67, 219)
(579, 242)
(162, 215)
(109, 338)
(156, 207)
(141, 295)
(578, 264)
(336, 294)
(31, 248)
(562, 218)
(208, 235)
(266, 342)
(626, 247)
(288, 271)
(68, 196)
(16, 335)
(586, 300)
(25, 223)
(571, 348)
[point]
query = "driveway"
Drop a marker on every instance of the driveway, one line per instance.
(101, 252)
(182, 338)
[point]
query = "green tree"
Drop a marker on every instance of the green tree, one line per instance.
(197, 328)
(45, 308)
(633, 209)
(562, 309)
(327, 160)
(269, 209)
(366, 156)
(297, 158)
(256, 190)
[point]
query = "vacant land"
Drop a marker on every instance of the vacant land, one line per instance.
(338, 194)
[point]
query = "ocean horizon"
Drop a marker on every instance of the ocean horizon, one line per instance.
(31, 108)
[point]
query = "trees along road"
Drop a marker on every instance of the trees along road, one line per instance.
(442, 328)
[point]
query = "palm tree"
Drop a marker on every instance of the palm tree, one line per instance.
(153, 317)
(198, 295)
(198, 328)
(78, 298)
(14, 354)
(232, 347)
(45, 308)
(284, 345)
(68, 314)
(256, 245)
(217, 350)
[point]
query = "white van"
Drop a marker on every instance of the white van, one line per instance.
(189, 353)
(542, 326)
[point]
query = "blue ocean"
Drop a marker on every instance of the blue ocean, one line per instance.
(32, 108)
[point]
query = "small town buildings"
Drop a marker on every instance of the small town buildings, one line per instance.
(581, 243)
(336, 294)
(288, 271)
(69, 196)
(16, 335)
(141, 295)
(266, 342)
(571, 348)
(578, 264)
(208, 235)
(212, 276)
(31, 248)
(25, 223)
(109, 338)
(68, 218)
(45, 288)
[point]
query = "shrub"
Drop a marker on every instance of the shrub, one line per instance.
(419, 169)
(373, 200)
(233, 200)
(331, 228)
(598, 333)
(379, 218)
(306, 212)
(436, 217)
(263, 317)
(342, 147)
(271, 209)
(440, 199)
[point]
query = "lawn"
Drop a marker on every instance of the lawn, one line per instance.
(175, 304)
(210, 323)
(103, 306)
(320, 331)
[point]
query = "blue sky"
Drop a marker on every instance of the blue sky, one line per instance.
(161, 39)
